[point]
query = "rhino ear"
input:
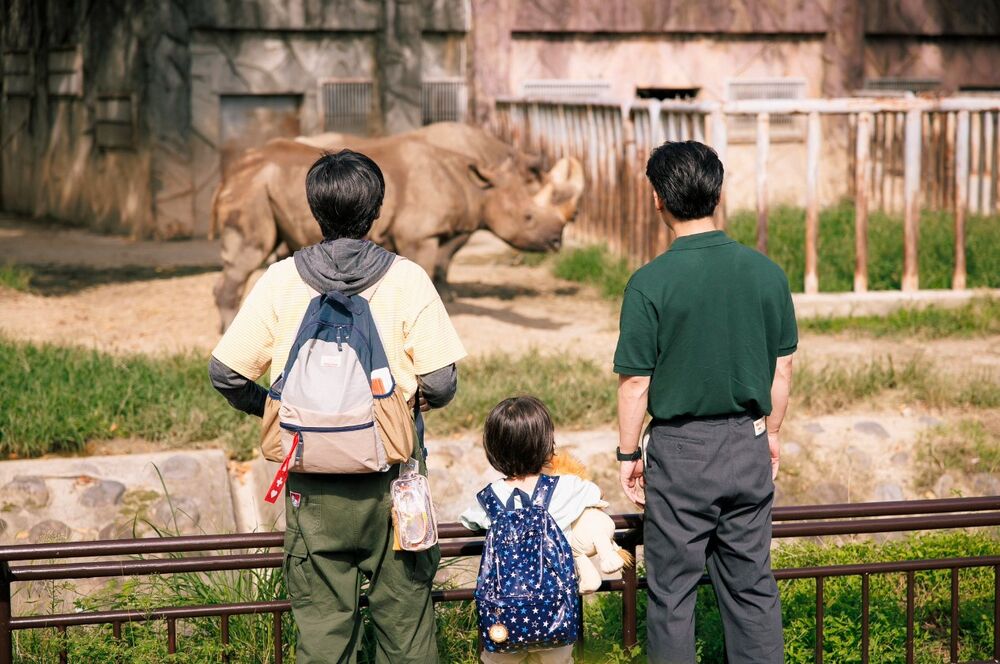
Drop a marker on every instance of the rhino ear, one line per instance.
(481, 177)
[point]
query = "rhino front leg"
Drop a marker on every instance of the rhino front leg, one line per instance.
(240, 257)
(423, 252)
(446, 252)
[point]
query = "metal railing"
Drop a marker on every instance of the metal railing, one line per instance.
(903, 153)
(789, 522)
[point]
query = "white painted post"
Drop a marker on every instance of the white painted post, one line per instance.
(720, 142)
(763, 143)
(813, 139)
(862, 171)
(911, 200)
(961, 196)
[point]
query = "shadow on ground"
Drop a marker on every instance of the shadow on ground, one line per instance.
(52, 280)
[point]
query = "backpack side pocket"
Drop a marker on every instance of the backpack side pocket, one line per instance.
(394, 419)
(270, 432)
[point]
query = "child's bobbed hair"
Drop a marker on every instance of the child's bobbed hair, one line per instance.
(519, 437)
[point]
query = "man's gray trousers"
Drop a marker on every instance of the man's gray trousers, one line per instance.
(708, 503)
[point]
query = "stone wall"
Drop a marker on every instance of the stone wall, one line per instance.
(186, 68)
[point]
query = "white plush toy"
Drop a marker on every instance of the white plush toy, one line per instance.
(593, 534)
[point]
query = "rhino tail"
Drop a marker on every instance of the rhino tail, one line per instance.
(214, 223)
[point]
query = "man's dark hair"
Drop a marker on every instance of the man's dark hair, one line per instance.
(687, 176)
(519, 437)
(345, 192)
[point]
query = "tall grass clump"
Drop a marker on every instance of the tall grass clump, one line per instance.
(968, 447)
(977, 318)
(786, 238)
(15, 277)
(596, 266)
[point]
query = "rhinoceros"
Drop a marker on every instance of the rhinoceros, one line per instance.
(435, 198)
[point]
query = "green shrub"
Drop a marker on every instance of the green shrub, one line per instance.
(786, 236)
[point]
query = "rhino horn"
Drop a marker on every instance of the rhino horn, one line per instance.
(563, 187)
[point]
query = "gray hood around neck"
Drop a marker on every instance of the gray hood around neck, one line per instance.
(345, 265)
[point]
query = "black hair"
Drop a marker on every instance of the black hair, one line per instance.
(345, 192)
(519, 437)
(687, 176)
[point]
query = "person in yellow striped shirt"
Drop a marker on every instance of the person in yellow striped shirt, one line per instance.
(339, 530)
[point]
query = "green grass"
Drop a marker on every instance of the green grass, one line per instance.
(977, 318)
(579, 393)
(963, 448)
(198, 640)
(56, 398)
(595, 266)
(786, 234)
(835, 386)
(15, 277)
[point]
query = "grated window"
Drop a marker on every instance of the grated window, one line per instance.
(566, 89)
(443, 100)
(896, 84)
(346, 105)
(782, 125)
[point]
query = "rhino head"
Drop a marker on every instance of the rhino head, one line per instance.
(527, 211)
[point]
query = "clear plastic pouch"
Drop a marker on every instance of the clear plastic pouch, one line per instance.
(413, 519)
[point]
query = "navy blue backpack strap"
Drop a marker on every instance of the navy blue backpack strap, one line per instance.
(512, 501)
(491, 503)
(544, 487)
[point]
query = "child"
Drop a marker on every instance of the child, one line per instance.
(519, 441)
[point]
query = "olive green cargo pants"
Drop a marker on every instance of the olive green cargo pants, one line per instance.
(339, 531)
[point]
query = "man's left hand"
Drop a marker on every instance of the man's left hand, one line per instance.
(633, 481)
(424, 406)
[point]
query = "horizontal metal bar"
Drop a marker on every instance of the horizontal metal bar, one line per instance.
(468, 541)
(83, 570)
(886, 568)
(125, 547)
(886, 525)
(887, 508)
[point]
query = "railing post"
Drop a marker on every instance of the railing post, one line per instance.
(6, 640)
(961, 196)
(812, 203)
(862, 167)
(630, 596)
(911, 200)
(763, 144)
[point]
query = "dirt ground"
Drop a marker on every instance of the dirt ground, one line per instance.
(121, 295)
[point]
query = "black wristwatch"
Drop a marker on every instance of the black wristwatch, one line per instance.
(631, 456)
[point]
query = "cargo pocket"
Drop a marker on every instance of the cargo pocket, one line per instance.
(295, 569)
(421, 566)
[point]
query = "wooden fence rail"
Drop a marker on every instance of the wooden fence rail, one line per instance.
(903, 154)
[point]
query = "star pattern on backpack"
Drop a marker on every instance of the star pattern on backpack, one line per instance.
(526, 590)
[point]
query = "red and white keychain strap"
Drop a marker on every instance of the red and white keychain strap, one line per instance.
(280, 477)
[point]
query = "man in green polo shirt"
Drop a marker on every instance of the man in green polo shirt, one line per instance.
(705, 347)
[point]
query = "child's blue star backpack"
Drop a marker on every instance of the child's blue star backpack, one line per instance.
(526, 593)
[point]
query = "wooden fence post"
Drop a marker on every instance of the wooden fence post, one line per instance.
(763, 143)
(961, 197)
(862, 166)
(812, 202)
(911, 200)
(720, 142)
